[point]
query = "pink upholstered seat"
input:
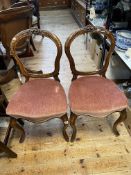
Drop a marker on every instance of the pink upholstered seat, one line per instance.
(38, 99)
(95, 96)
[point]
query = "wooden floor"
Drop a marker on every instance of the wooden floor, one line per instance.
(96, 150)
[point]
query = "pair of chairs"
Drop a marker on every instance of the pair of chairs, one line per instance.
(42, 98)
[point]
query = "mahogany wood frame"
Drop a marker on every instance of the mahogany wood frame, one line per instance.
(26, 34)
(101, 71)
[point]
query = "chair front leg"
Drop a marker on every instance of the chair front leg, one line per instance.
(16, 125)
(6, 150)
(73, 118)
(64, 118)
(122, 118)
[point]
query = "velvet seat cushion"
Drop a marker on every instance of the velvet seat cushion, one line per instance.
(96, 96)
(38, 99)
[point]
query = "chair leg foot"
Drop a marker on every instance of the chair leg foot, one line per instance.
(64, 118)
(15, 125)
(73, 118)
(122, 118)
(6, 150)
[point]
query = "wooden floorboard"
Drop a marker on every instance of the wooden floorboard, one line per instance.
(96, 150)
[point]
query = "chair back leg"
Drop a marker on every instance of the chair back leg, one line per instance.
(122, 118)
(73, 118)
(14, 124)
(64, 118)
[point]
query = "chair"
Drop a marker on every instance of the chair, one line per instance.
(35, 6)
(12, 21)
(92, 94)
(40, 99)
(3, 146)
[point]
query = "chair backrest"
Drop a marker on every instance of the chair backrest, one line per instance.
(26, 35)
(12, 21)
(89, 29)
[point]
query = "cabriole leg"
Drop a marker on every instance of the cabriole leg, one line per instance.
(122, 118)
(15, 125)
(64, 118)
(73, 118)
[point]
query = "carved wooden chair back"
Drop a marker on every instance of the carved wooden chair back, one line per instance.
(24, 35)
(86, 30)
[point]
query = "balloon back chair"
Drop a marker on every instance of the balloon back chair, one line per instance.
(93, 94)
(41, 98)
